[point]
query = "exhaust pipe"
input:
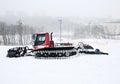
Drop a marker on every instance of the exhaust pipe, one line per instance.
(51, 36)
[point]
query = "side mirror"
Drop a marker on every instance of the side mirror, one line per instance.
(33, 39)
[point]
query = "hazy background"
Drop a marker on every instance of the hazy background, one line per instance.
(80, 19)
(81, 8)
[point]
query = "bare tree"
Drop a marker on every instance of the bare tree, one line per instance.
(3, 32)
(20, 32)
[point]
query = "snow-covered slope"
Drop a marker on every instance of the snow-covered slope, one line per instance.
(80, 69)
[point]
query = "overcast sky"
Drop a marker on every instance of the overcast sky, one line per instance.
(81, 8)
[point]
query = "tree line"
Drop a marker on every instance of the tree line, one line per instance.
(20, 34)
(17, 34)
(95, 31)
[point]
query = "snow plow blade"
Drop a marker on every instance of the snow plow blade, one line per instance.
(17, 52)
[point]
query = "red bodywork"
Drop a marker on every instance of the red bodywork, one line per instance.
(48, 43)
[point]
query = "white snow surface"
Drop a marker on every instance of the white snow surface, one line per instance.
(79, 69)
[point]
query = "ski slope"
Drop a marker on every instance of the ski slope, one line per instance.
(80, 69)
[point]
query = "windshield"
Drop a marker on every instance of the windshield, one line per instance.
(40, 39)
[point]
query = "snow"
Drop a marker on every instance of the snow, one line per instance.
(79, 69)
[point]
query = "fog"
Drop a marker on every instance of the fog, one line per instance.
(19, 19)
(80, 8)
